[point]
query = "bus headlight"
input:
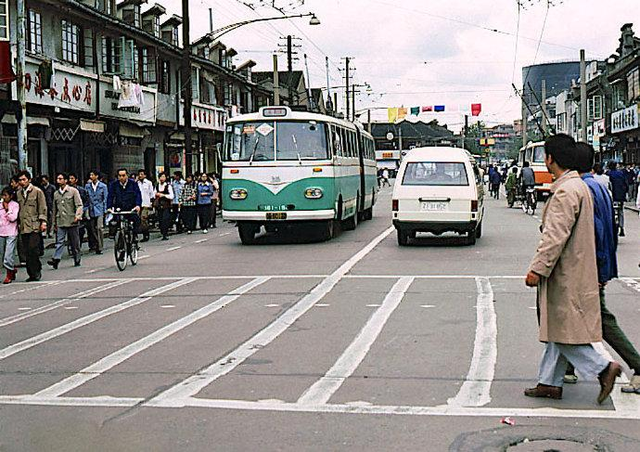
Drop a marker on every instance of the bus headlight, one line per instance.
(238, 194)
(313, 193)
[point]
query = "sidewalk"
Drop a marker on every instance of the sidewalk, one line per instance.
(631, 206)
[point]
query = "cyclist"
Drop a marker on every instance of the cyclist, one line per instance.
(527, 177)
(511, 185)
(619, 188)
(124, 194)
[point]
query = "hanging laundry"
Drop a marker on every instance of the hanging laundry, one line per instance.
(427, 108)
(415, 111)
(127, 95)
(117, 84)
(392, 114)
(438, 108)
(46, 73)
(138, 94)
(476, 109)
(402, 113)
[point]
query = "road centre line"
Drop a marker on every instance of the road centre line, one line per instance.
(323, 389)
(33, 286)
(174, 248)
(403, 410)
(476, 390)
(79, 296)
(86, 320)
(98, 368)
(195, 383)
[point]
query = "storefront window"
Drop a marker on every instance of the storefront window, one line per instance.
(70, 42)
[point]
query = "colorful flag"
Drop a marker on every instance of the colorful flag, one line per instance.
(428, 108)
(476, 109)
(402, 113)
(438, 108)
(392, 113)
(415, 111)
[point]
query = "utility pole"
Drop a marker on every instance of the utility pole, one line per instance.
(210, 20)
(187, 86)
(524, 118)
(276, 81)
(347, 85)
(583, 96)
(326, 60)
(22, 116)
(309, 94)
(290, 67)
(369, 120)
(353, 103)
(465, 131)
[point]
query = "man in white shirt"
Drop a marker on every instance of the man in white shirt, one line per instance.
(148, 195)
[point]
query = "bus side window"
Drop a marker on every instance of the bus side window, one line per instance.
(343, 141)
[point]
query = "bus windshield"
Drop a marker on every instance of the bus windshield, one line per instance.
(538, 154)
(280, 140)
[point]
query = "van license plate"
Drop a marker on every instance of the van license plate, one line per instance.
(433, 206)
(276, 216)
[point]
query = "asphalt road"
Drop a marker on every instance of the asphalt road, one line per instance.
(352, 344)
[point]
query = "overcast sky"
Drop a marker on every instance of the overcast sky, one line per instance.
(424, 52)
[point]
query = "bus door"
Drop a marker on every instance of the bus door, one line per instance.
(363, 175)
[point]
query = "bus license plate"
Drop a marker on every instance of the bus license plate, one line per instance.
(276, 216)
(433, 206)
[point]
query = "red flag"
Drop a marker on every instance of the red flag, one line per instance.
(429, 108)
(476, 109)
(6, 71)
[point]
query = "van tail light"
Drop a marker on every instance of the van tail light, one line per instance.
(394, 205)
(474, 206)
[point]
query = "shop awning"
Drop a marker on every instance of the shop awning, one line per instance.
(87, 125)
(131, 131)
(10, 118)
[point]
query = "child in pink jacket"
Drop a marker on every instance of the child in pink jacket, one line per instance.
(8, 233)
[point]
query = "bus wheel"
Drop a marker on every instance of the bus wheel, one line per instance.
(247, 233)
(352, 222)
(327, 230)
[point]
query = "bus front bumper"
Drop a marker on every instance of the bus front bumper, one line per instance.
(291, 215)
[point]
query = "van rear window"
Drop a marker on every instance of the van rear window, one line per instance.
(435, 173)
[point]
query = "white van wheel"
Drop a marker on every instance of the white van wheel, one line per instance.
(479, 230)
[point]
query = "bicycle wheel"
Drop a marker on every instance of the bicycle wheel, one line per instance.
(133, 250)
(120, 250)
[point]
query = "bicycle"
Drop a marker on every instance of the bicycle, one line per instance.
(125, 244)
(530, 201)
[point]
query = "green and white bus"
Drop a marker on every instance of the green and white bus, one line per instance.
(283, 169)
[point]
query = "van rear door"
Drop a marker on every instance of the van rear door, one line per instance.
(436, 191)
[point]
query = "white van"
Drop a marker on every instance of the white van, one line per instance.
(438, 190)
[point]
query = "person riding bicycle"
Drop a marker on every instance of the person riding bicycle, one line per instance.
(124, 194)
(619, 188)
(527, 177)
(511, 185)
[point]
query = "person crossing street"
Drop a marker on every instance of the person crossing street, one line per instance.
(67, 214)
(33, 222)
(98, 194)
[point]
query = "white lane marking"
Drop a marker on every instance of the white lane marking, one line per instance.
(25, 308)
(86, 320)
(533, 308)
(201, 240)
(95, 270)
(225, 234)
(168, 306)
(33, 286)
(108, 362)
(272, 305)
(70, 308)
(360, 409)
(322, 390)
(173, 248)
(373, 305)
(476, 390)
(79, 296)
(322, 305)
(195, 383)
(427, 306)
(146, 256)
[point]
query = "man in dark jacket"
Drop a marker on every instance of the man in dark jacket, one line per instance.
(619, 188)
(606, 247)
(125, 195)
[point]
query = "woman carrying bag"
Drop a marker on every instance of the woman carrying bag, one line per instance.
(162, 204)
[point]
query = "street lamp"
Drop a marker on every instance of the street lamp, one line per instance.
(216, 34)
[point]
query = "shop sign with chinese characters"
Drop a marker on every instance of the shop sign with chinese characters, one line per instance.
(626, 119)
(206, 117)
(144, 111)
(69, 90)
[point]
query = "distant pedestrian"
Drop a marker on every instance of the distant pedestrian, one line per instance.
(9, 210)
(48, 189)
(214, 199)
(204, 201)
(495, 180)
(162, 204)
(188, 198)
(98, 194)
(67, 214)
(177, 184)
(619, 188)
(148, 196)
(385, 178)
(565, 272)
(83, 225)
(606, 245)
(601, 177)
(511, 186)
(33, 222)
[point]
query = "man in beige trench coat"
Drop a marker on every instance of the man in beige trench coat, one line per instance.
(564, 270)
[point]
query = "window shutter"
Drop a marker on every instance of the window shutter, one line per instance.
(88, 48)
(128, 58)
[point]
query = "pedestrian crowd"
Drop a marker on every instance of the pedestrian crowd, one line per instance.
(574, 261)
(67, 211)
